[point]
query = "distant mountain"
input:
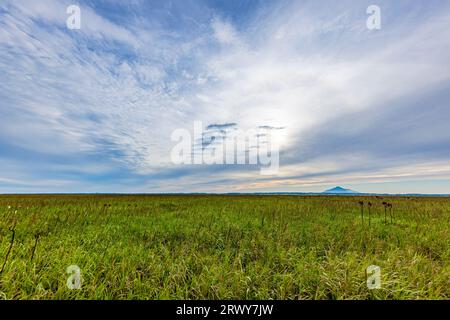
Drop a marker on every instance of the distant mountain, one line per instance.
(340, 190)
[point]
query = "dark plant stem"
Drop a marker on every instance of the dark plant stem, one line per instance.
(10, 248)
(36, 239)
(362, 214)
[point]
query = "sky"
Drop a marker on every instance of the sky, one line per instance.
(94, 109)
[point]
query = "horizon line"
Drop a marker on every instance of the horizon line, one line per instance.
(237, 193)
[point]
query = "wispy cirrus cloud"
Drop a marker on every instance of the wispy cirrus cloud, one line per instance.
(94, 108)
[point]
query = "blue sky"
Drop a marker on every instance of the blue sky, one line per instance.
(92, 110)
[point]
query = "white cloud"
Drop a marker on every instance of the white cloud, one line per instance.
(224, 32)
(299, 68)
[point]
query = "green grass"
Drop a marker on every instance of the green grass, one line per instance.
(223, 247)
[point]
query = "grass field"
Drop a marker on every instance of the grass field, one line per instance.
(223, 247)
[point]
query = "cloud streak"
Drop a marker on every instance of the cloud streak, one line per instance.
(94, 109)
